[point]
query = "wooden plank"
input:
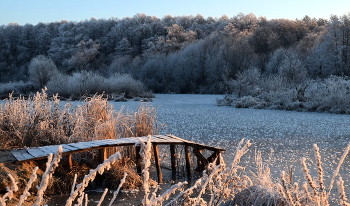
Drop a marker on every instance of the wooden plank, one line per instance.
(80, 145)
(159, 140)
(107, 142)
(91, 144)
(157, 162)
(188, 163)
(46, 150)
(50, 149)
(114, 142)
(127, 140)
(25, 155)
(179, 139)
(36, 152)
(67, 148)
(196, 144)
(18, 155)
(163, 137)
(132, 140)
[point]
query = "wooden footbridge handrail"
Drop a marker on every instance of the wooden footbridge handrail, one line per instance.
(36, 153)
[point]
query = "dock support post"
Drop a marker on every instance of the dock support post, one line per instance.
(156, 160)
(188, 163)
(70, 161)
(102, 154)
(173, 161)
(200, 159)
(138, 160)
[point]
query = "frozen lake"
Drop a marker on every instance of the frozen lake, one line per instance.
(290, 134)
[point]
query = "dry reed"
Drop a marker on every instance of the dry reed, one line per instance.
(91, 176)
(51, 165)
(41, 120)
(342, 195)
(26, 193)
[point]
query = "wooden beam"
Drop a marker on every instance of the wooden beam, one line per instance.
(138, 160)
(102, 154)
(70, 161)
(213, 156)
(173, 161)
(188, 163)
(156, 159)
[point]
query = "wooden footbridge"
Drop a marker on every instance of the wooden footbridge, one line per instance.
(36, 153)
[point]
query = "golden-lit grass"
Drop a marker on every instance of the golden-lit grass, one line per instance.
(41, 120)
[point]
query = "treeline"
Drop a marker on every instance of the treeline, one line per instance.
(185, 54)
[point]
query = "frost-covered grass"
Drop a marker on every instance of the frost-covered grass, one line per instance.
(43, 120)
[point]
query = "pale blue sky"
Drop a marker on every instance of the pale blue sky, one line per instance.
(35, 11)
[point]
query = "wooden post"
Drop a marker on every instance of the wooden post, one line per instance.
(173, 161)
(156, 159)
(102, 154)
(218, 159)
(70, 161)
(138, 160)
(200, 163)
(188, 163)
(215, 155)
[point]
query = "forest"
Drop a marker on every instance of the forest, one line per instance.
(243, 55)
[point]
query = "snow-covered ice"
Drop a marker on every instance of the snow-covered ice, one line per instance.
(290, 134)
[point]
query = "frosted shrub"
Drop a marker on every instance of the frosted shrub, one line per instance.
(77, 84)
(89, 83)
(332, 95)
(292, 69)
(41, 70)
(16, 88)
(85, 82)
(59, 85)
(273, 83)
(246, 102)
(247, 83)
(124, 83)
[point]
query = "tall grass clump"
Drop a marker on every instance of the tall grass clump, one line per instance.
(42, 120)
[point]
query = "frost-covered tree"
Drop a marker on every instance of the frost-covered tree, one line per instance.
(123, 47)
(85, 56)
(41, 70)
(247, 83)
(293, 69)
